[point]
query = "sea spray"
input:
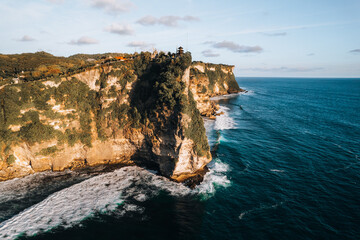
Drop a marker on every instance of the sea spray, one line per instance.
(110, 193)
(224, 121)
(214, 179)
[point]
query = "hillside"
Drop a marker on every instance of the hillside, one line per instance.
(143, 110)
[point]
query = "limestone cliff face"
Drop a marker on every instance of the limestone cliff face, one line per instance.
(144, 111)
(208, 80)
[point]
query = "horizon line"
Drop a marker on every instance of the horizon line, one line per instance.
(301, 77)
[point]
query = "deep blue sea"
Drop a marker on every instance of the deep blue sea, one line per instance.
(287, 166)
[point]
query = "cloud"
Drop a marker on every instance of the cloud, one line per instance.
(189, 18)
(148, 20)
(209, 53)
(283, 69)
(310, 54)
(278, 34)
(234, 47)
(121, 29)
(208, 42)
(356, 51)
(26, 38)
(140, 44)
(56, 1)
(284, 28)
(169, 21)
(83, 41)
(113, 6)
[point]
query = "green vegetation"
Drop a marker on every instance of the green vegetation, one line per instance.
(217, 76)
(33, 66)
(71, 136)
(49, 150)
(11, 159)
(34, 95)
(157, 100)
(196, 130)
(203, 90)
(220, 77)
(160, 96)
(160, 86)
(36, 132)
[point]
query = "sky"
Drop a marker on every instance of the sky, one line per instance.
(262, 38)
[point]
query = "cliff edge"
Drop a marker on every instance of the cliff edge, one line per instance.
(145, 111)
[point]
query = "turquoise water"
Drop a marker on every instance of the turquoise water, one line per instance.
(286, 167)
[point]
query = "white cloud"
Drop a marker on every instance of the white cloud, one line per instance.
(189, 18)
(113, 6)
(121, 29)
(56, 1)
(276, 34)
(209, 53)
(169, 21)
(234, 47)
(285, 28)
(148, 20)
(140, 44)
(208, 42)
(26, 38)
(84, 41)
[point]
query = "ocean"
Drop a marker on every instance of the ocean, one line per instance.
(286, 166)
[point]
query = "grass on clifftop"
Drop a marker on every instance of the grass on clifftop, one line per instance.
(157, 100)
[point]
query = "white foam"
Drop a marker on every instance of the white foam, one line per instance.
(112, 193)
(277, 170)
(242, 215)
(249, 93)
(18, 188)
(260, 208)
(101, 194)
(215, 178)
(226, 96)
(224, 121)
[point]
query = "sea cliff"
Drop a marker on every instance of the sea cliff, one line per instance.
(141, 111)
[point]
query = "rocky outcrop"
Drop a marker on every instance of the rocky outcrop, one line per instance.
(144, 112)
(208, 80)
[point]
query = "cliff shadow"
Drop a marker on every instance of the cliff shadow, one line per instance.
(155, 122)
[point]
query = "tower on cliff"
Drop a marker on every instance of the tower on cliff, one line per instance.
(180, 51)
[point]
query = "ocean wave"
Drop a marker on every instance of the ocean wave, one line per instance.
(248, 93)
(215, 178)
(20, 193)
(224, 121)
(101, 194)
(114, 193)
(227, 96)
(260, 208)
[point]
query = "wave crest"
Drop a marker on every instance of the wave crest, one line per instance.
(116, 193)
(224, 121)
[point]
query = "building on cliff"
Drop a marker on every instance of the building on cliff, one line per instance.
(180, 51)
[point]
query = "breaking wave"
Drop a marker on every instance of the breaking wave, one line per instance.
(214, 179)
(224, 121)
(107, 193)
(227, 96)
(115, 193)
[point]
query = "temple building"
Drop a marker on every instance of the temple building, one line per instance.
(180, 51)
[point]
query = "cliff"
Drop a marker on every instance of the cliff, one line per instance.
(208, 80)
(143, 111)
